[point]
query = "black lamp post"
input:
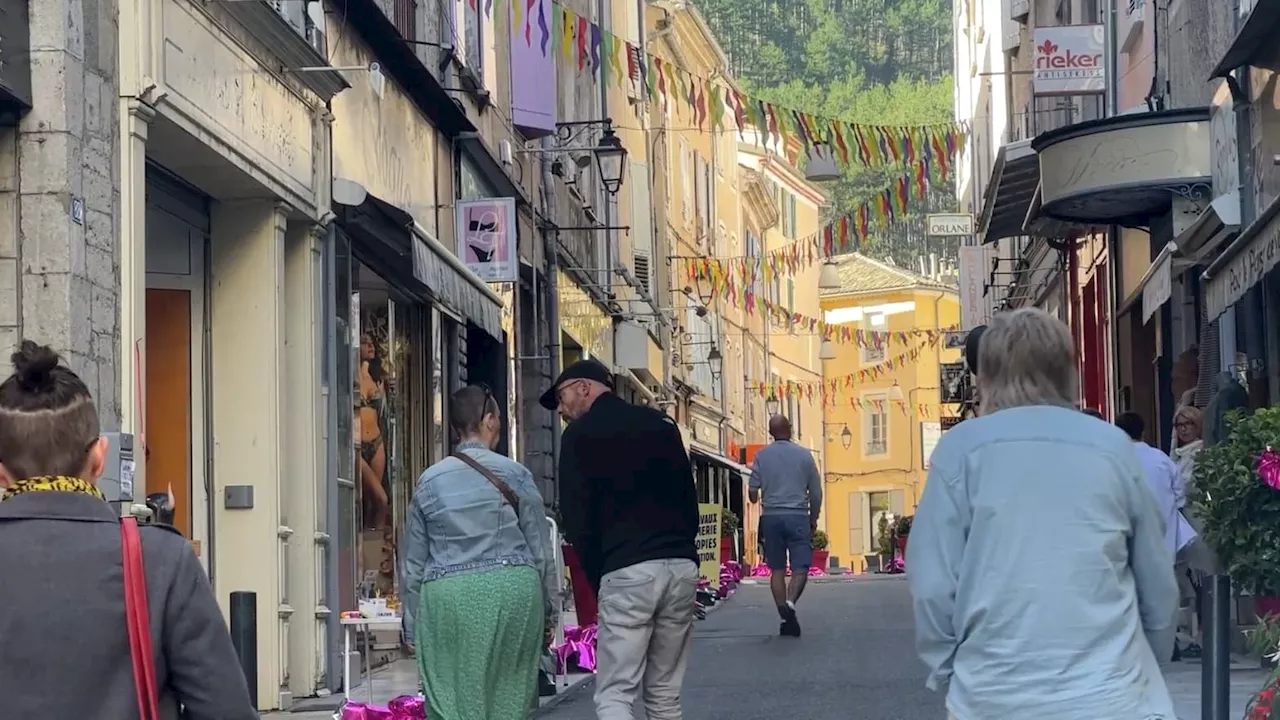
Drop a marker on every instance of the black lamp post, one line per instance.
(611, 158)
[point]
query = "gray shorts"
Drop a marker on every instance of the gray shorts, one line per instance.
(785, 535)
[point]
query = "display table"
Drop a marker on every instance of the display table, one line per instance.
(350, 625)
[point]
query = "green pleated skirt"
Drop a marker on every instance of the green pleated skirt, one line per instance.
(479, 638)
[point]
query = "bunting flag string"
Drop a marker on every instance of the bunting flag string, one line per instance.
(842, 235)
(708, 103)
(828, 389)
(723, 285)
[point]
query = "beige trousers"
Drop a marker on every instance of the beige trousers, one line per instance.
(645, 629)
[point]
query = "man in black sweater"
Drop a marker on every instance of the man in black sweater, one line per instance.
(628, 507)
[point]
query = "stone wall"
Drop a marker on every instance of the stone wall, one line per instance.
(1192, 37)
(60, 200)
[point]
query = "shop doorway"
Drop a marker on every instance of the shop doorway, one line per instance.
(173, 388)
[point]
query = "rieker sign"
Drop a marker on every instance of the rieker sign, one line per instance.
(1069, 60)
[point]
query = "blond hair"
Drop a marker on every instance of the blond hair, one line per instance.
(1192, 415)
(1026, 358)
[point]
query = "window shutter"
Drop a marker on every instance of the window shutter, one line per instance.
(1209, 360)
(642, 223)
(897, 502)
(857, 526)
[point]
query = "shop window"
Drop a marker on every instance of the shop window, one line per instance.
(878, 511)
(346, 328)
(873, 347)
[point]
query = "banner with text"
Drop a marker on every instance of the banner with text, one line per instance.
(1070, 60)
(708, 542)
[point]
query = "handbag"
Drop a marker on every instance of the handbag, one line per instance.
(138, 619)
(503, 487)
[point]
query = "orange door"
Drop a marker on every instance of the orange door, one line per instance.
(168, 397)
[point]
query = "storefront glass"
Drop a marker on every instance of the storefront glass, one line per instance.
(391, 422)
(346, 340)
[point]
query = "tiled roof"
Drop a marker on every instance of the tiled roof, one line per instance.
(860, 274)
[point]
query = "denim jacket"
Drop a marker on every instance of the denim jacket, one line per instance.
(458, 522)
(1039, 573)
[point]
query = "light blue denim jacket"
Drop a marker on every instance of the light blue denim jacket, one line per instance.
(458, 522)
(1040, 578)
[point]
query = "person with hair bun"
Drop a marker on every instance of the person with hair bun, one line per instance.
(66, 651)
(478, 574)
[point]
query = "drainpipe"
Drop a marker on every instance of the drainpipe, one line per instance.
(551, 247)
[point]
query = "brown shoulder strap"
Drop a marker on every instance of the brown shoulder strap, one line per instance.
(503, 487)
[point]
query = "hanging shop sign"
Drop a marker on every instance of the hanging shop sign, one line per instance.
(1159, 286)
(975, 305)
(949, 224)
(1244, 271)
(487, 229)
(1069, 60)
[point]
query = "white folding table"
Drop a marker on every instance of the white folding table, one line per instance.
(350, 625)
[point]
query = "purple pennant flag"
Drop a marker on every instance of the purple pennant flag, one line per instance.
(542, 27)
(595, 47)
(488, 8)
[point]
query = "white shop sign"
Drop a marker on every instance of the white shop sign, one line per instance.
(1069, 60)
(1244, 271)
(1159, 286)
(949, 224)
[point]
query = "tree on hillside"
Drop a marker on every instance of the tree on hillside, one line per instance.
(884, 62)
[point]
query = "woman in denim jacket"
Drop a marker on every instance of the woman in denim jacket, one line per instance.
(478, 573)
(1041, 580)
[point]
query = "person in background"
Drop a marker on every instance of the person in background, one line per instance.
(1195, 560)
(479, 579)
(785, 477)
(1041, 583)
(1163, 479)
(66, 652)
(630, 512)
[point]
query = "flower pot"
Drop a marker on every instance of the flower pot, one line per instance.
(726, 550)
(820, 558)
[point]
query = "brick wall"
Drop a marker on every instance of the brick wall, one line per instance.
(59, 275)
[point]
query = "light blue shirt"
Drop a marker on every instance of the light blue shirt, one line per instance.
(458, 522)
(786, 476)
(1040, 579)
(1166, 486)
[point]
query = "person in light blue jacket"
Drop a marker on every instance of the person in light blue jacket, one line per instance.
(1041, 581)
(478, 575)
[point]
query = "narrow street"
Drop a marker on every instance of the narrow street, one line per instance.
(856, 659)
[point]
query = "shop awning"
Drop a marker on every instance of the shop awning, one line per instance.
(1216, 224)
(1257, 35)
(1244, 263)
(703, 451)
(417, 261)
(1014, 179)
(1156, 285)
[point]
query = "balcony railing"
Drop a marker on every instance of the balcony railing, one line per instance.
(875, 447)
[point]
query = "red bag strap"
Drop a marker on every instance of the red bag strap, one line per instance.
(138, 617)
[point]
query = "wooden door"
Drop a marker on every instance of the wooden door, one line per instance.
(168, 398)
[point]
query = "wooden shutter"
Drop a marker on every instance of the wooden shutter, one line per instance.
(857, 521)
(897, 502)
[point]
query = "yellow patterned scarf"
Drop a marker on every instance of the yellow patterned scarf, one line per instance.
(53, 483)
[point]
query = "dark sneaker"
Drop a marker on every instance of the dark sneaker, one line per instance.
(790, 626)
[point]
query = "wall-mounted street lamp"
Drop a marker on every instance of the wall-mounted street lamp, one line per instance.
(895, 392)
(611, 158)
(827, 351)
(771, 405)
(716, 361)
(829, 278)
(846, 437)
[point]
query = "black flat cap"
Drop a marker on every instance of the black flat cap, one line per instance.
(581, 370)
(971, 344)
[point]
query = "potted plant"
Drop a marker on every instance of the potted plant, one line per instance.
(729, 524)
(884, 544)
(819, 542)
(901, 529)
(1236, 495)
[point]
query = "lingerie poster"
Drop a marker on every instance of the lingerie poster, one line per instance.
(486, 231)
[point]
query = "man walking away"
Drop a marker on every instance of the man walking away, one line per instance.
(630, 511)
(787, 477)
(1166, 487)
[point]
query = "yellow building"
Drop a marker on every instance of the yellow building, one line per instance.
(883, 421)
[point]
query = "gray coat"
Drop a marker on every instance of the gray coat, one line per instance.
(64, 647)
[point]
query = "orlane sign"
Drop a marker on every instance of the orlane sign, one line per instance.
(1069, 60)
(1244, 271)
(949, 224)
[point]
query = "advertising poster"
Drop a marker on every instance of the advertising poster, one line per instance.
(487, 235)
(708, 541)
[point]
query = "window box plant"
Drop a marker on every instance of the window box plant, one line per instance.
(1236, 494)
